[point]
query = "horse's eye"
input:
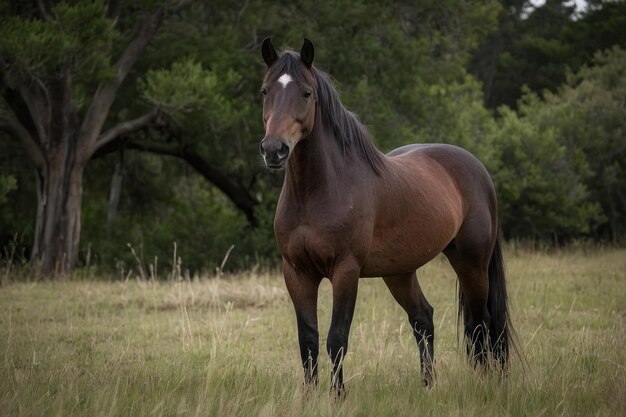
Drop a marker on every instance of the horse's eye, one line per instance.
(263, 91)
(306, 94)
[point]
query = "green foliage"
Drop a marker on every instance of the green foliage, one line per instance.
(536, 47)
(590, 110)
(541, 189)
(563, 157)
(78, 36)
(155, 214)
(7, 184)
(404, 67)
(456, 115)
(187, 87)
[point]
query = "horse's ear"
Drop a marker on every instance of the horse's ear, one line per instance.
(307, 53)
(269, 53)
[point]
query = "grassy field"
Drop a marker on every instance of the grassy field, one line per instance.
(228, 346)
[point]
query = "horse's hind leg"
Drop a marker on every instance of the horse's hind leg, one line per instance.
(407, 292)
(471, 266)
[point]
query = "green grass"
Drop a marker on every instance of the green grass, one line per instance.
(228, 346)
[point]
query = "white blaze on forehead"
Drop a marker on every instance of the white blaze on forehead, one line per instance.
(285, 79)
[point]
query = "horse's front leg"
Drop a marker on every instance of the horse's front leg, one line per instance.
(303, 290)
(345, 284)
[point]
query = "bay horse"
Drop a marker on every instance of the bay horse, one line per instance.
(347, 211)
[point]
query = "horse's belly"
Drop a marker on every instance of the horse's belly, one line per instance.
(403, 249)
(398, 260)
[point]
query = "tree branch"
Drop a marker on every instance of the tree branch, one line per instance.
(11, 125)
(38, 104)
(238, 194)
(21, 111)
(43, 10)
(101, 103)
(127, 127)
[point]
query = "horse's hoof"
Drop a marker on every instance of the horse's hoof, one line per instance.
(338, 394)
(428, 383)
(428, 379)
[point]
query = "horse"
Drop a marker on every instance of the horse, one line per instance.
(347, 211)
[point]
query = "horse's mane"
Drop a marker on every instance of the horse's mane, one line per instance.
(345, 126)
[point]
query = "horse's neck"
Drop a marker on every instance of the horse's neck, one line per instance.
(319, 166)
(308, 169)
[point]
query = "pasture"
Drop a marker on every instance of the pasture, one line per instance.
(227, 346)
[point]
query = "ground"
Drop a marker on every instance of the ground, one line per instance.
(227, 346)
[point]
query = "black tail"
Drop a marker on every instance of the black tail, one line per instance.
(500, 329)
(501, 334)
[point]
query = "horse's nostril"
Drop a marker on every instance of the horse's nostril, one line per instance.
(284, 150)
(261, 149)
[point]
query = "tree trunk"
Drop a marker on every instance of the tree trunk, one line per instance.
(116, 189)
(59, 203)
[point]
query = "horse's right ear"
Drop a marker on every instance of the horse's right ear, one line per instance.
(269, 53)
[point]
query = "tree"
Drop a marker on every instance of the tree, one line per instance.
(563, 156)
(60, 78)
(588, 110)
(536, 47)
(541, 183)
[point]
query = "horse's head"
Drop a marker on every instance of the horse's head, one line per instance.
(289, 97)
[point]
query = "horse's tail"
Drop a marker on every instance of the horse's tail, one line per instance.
(501, 331)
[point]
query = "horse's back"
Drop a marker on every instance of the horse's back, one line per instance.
(407, 148)
(469, 173)
(441, 152)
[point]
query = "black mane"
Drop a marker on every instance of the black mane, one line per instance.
(345, 126)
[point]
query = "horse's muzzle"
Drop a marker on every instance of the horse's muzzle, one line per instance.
(275, 153)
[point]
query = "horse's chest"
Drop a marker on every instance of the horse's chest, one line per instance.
(317, 239)
(308, 248)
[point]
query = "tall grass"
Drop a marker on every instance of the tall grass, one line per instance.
(227, 346)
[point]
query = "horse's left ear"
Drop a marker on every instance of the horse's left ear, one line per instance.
(307, 53)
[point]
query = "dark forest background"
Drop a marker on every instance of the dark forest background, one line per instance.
(138, 122)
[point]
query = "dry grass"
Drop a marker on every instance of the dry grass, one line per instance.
(228, 346)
